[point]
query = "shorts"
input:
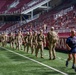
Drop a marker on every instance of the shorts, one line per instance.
(73, 50)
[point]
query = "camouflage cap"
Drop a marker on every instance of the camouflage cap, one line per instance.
(52, 28)
(41, 30)
(27, 33)
(35, 31)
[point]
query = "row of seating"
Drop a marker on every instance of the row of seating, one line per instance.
(61, 24)
(21, 6)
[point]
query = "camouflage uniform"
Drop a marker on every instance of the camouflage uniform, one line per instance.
(29, 41)
(40, 40)
(11, 40)
(4, 39)
(52, 40)
(34, 42)
(0, 39)
(19, 40)
(25, 41)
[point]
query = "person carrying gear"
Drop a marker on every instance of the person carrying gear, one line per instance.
(52, 37)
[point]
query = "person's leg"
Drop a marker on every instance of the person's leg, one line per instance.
(50, 52)
(74, 61)
(41, 51)
(32, 48)
(18, 45)
(13, 44)
(27, 48)
(24, 46)
(10, 45)
(54, 52)
(69, 58)
(37, 50)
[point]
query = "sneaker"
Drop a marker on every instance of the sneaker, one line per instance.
(42, 57)
(50, 58)
(75, 69)
(66, 63)
(54, 58)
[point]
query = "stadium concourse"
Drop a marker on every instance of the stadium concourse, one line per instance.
(18, 18)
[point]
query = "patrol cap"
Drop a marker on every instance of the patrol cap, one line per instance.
(35, 31)
(52, 28)
(27, 33)
(41, 30)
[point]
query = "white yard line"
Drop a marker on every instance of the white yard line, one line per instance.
(35, 61)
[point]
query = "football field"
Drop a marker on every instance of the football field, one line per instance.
(14, 62)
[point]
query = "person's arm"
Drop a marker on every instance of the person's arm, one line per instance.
(68, 43)
(68, 47)
(47, 38)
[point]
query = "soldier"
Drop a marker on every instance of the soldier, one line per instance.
(11, 40)
(40, 40)
(25, 40)
(29, 41)
(34, 42)
(19, 40)
(4, 39)
(52, 40)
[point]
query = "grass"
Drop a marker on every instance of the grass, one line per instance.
(12, 64)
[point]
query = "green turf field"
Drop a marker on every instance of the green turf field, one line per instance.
(14, 64)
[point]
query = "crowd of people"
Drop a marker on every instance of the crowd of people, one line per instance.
(35, 41)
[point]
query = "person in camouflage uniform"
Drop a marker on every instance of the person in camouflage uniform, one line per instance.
(52, 37)
(11, 39)
(19, 40)
(29, 41)
(25, 40)
(40, 41)
(3, 39)
(34, 42)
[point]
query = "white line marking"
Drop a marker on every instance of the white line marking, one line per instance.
(36, 61)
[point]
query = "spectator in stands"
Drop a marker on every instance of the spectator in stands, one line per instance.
(71, 46)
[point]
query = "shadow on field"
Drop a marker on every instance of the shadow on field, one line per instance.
(71, 73)
(42, 72)
(68, 71)
(15, 57)
(1, 49)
